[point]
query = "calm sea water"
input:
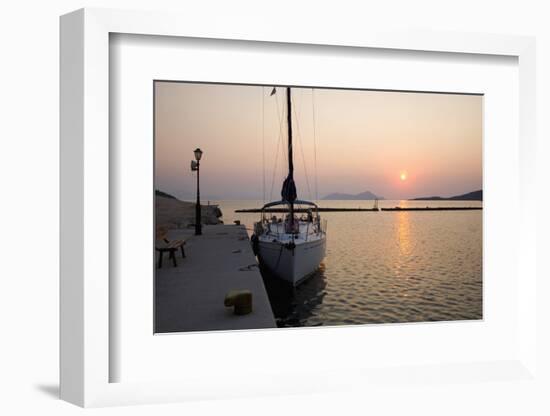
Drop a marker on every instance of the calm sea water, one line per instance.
(385, 267)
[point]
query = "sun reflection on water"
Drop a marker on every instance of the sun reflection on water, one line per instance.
(403, 237)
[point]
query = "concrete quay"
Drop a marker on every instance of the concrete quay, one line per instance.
(190, 297)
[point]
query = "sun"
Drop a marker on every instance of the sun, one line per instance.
(403, 176)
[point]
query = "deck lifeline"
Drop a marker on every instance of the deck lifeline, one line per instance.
(190, 297)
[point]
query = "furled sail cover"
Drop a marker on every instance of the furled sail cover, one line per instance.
(288, 193)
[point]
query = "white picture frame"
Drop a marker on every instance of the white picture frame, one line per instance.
(85, 210)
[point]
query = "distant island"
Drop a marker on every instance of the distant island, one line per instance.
(367, 195)
(470, 196)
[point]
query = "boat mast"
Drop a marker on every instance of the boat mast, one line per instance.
(288, 193)
(290, 161)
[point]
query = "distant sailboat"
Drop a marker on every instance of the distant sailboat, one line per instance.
(291, 247)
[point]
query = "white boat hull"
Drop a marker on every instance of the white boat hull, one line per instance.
(292, 264)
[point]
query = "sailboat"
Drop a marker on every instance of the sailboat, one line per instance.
(290, 247)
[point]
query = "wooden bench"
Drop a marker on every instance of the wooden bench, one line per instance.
(163, 245)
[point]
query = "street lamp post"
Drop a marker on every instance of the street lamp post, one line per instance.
(195, 165)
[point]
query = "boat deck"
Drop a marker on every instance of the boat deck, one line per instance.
(190, 297)
(306, 231)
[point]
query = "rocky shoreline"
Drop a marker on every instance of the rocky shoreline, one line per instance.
(172, 213)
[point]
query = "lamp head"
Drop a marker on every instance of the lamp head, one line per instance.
(198, 154)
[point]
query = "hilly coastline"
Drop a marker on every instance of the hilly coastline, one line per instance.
(470, 196)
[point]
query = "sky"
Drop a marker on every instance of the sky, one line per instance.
(398, 145)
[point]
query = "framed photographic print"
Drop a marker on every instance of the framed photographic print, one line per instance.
(393, 256)
(290, 211)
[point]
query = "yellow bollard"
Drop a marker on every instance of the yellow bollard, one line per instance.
(241, 300)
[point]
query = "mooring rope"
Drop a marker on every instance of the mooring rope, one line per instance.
(279, 258)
